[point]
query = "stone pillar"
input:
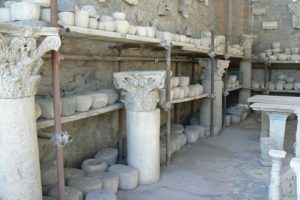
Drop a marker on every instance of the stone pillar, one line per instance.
(277, 127)
(140, 97)
(275, 184)
(297, 146)
(264, 131)
(276, 136)
(205, 112)
(295, 165)
(20, 61)
(246, 68)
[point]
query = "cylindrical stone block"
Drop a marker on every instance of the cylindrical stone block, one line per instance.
(20, 176)
(143, 144)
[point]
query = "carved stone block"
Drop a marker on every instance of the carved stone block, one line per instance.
(139, 89)
(294, 10)
(269, 25)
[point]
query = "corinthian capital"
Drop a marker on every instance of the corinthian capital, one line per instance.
(222, 65)
(20, 61)
(139, 89)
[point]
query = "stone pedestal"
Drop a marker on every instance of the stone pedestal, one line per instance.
(275, 184)
(205, 108)
(295, 165)
(265, 124)
(143, 142)
(140, 96)
(20, 61)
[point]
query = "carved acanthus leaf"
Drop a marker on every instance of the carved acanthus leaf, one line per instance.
(20, 61)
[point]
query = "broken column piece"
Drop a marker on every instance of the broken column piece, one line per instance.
(294, 10)
(295, 165)
(275, 184)
(184, 7)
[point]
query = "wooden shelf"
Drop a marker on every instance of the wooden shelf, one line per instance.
(188, 99)
(237, 88)
(43, 123)
(284, 91)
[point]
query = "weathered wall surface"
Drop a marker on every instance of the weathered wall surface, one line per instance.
(276, 10)
(94, 133)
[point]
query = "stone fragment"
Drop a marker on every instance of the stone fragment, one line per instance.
(259, 11)
(132, 2)
(108, 155)
(128, 176)
(192, 134)
(269, 25)
(85, 184)
(110, 180)
(68, 106)
(112, 95)
(294, 10)
(46, 106)
(100, 100)
(47, 188)
(101, 195)
(70, 193)
(49, 172)
(73, 173)
(38, 111)
(92, 165)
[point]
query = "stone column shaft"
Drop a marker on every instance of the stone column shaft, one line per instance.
(140, 96)
(275, 184)
(295, 165)
(297, 148)
(20, 61)
(264, 132)
(277, 127)
(205, 110)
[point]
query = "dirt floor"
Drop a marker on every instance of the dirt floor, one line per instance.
(219, 168)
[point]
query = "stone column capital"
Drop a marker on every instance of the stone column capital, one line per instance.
(139, 89)
(20, 61)
(221, 67)
(247, 40)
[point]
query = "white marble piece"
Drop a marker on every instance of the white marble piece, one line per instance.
(294, 10)
(91, 165)
(101, 195)
(128, 176)
(110, 180)
(85, 184)
(49, 172)
(108, 155)
(19, 151)
(269, 25)
(139, 89)
(275, 184)
(143, 149)
(295, 165)
(70, 193)
(73, 173)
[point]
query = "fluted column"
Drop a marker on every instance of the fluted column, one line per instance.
(140, 97)
(20, 61)
(275, 184)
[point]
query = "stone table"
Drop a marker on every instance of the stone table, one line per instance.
(275, 110)
(20, 61)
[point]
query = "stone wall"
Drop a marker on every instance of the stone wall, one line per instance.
(94, 133)
(276, 10)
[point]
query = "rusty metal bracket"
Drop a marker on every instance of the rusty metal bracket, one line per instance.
(61, 139)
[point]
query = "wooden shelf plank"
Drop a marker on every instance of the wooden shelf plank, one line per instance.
(43, 123)
(188, 99)
(237, 88)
